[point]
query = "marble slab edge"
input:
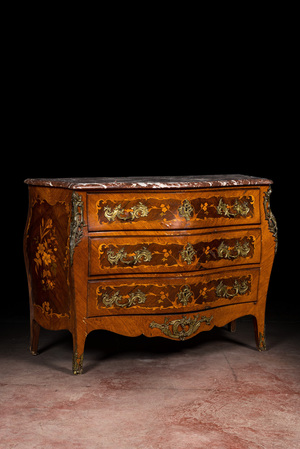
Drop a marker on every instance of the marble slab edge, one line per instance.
(168, 182)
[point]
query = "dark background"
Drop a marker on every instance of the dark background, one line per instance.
(152, 103)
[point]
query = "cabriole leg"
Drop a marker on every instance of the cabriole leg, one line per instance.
(259, 329)
(34, 337)
(78, 351)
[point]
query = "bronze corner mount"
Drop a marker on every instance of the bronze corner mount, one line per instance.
(77, 223)
(271, 218)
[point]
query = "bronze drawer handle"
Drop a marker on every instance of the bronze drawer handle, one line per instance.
(239, 208)
(116, 299)
(238, 288)
(121, 256)
(178, 327)
(118, 212)
(238, 250)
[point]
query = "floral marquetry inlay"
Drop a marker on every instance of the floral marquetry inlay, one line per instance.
(48, 311)
(45, 257)
(47, 246)
(142, 296)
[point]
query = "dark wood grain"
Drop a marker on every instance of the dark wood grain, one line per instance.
(168, 252)
(172, 294)
(163, 210)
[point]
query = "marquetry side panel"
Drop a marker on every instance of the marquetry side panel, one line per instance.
(47, 256)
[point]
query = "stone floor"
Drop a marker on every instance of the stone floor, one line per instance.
(214, 391)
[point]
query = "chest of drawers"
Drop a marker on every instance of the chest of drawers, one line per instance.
(164, 257)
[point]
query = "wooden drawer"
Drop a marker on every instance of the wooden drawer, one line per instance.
(167, 295)
(172, 210)
(173, 253)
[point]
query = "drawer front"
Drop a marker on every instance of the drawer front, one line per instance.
(173, 210)
(129, 255)
(167, 295)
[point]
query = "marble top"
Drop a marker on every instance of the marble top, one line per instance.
(149, 182)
